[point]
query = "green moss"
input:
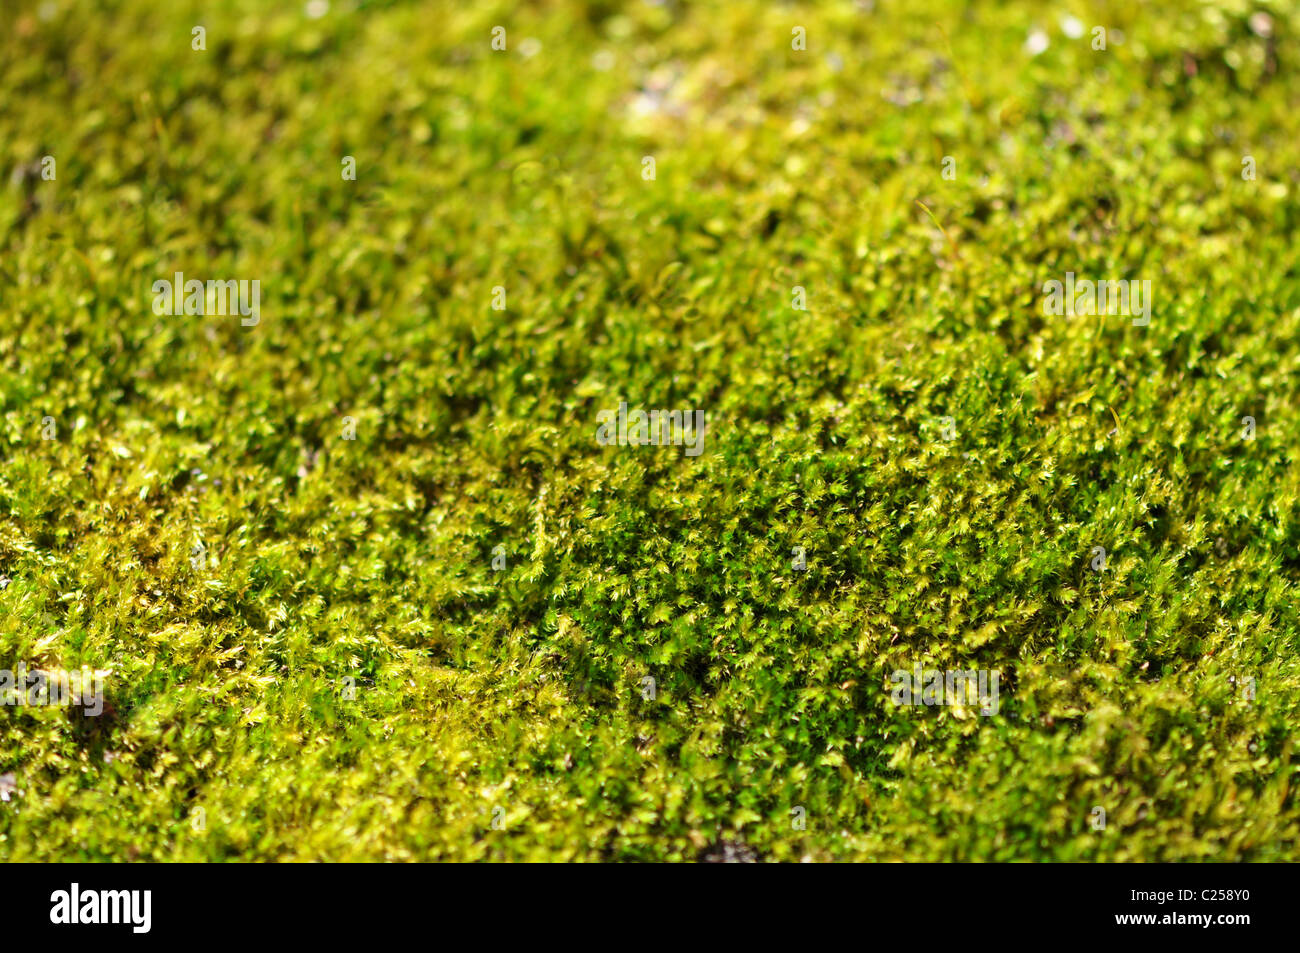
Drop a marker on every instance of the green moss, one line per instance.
(325, 559)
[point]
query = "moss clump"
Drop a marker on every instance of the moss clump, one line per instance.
(367, 586)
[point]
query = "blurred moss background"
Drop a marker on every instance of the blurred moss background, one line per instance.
(503, 714)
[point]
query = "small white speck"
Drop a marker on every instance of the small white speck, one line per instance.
(530, 47)
(1036, 43)
(317, 9)
(1072, 27)
(646, 105)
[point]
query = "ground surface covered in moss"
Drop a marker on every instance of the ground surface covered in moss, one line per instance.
(433, 641)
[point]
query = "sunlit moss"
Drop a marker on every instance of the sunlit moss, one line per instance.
(312, 654)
